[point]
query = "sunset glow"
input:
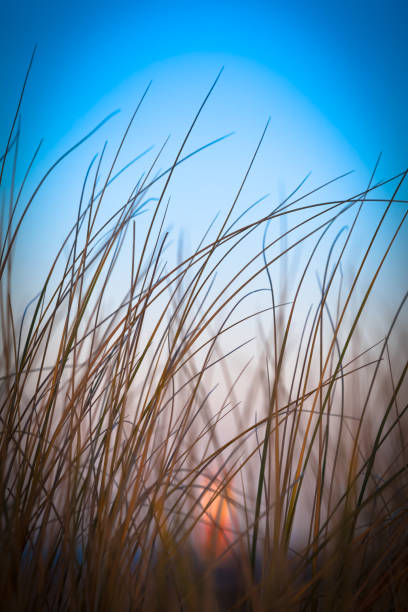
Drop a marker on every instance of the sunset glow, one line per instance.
(217, 530)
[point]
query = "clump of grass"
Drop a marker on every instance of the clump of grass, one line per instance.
(115, 447)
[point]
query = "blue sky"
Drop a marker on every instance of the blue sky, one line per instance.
(347, 58)
(332, 76)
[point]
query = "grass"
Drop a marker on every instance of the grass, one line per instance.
(129, 480)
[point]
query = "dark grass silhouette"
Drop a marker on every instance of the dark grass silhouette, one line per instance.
(114, 451)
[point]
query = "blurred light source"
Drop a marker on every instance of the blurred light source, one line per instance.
(217, 528)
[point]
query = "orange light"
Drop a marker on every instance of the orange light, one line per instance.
(217, 523)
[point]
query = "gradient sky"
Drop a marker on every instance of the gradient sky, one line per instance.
(332, 76)
(349, 59)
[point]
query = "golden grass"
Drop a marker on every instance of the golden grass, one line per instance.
(114, 449)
